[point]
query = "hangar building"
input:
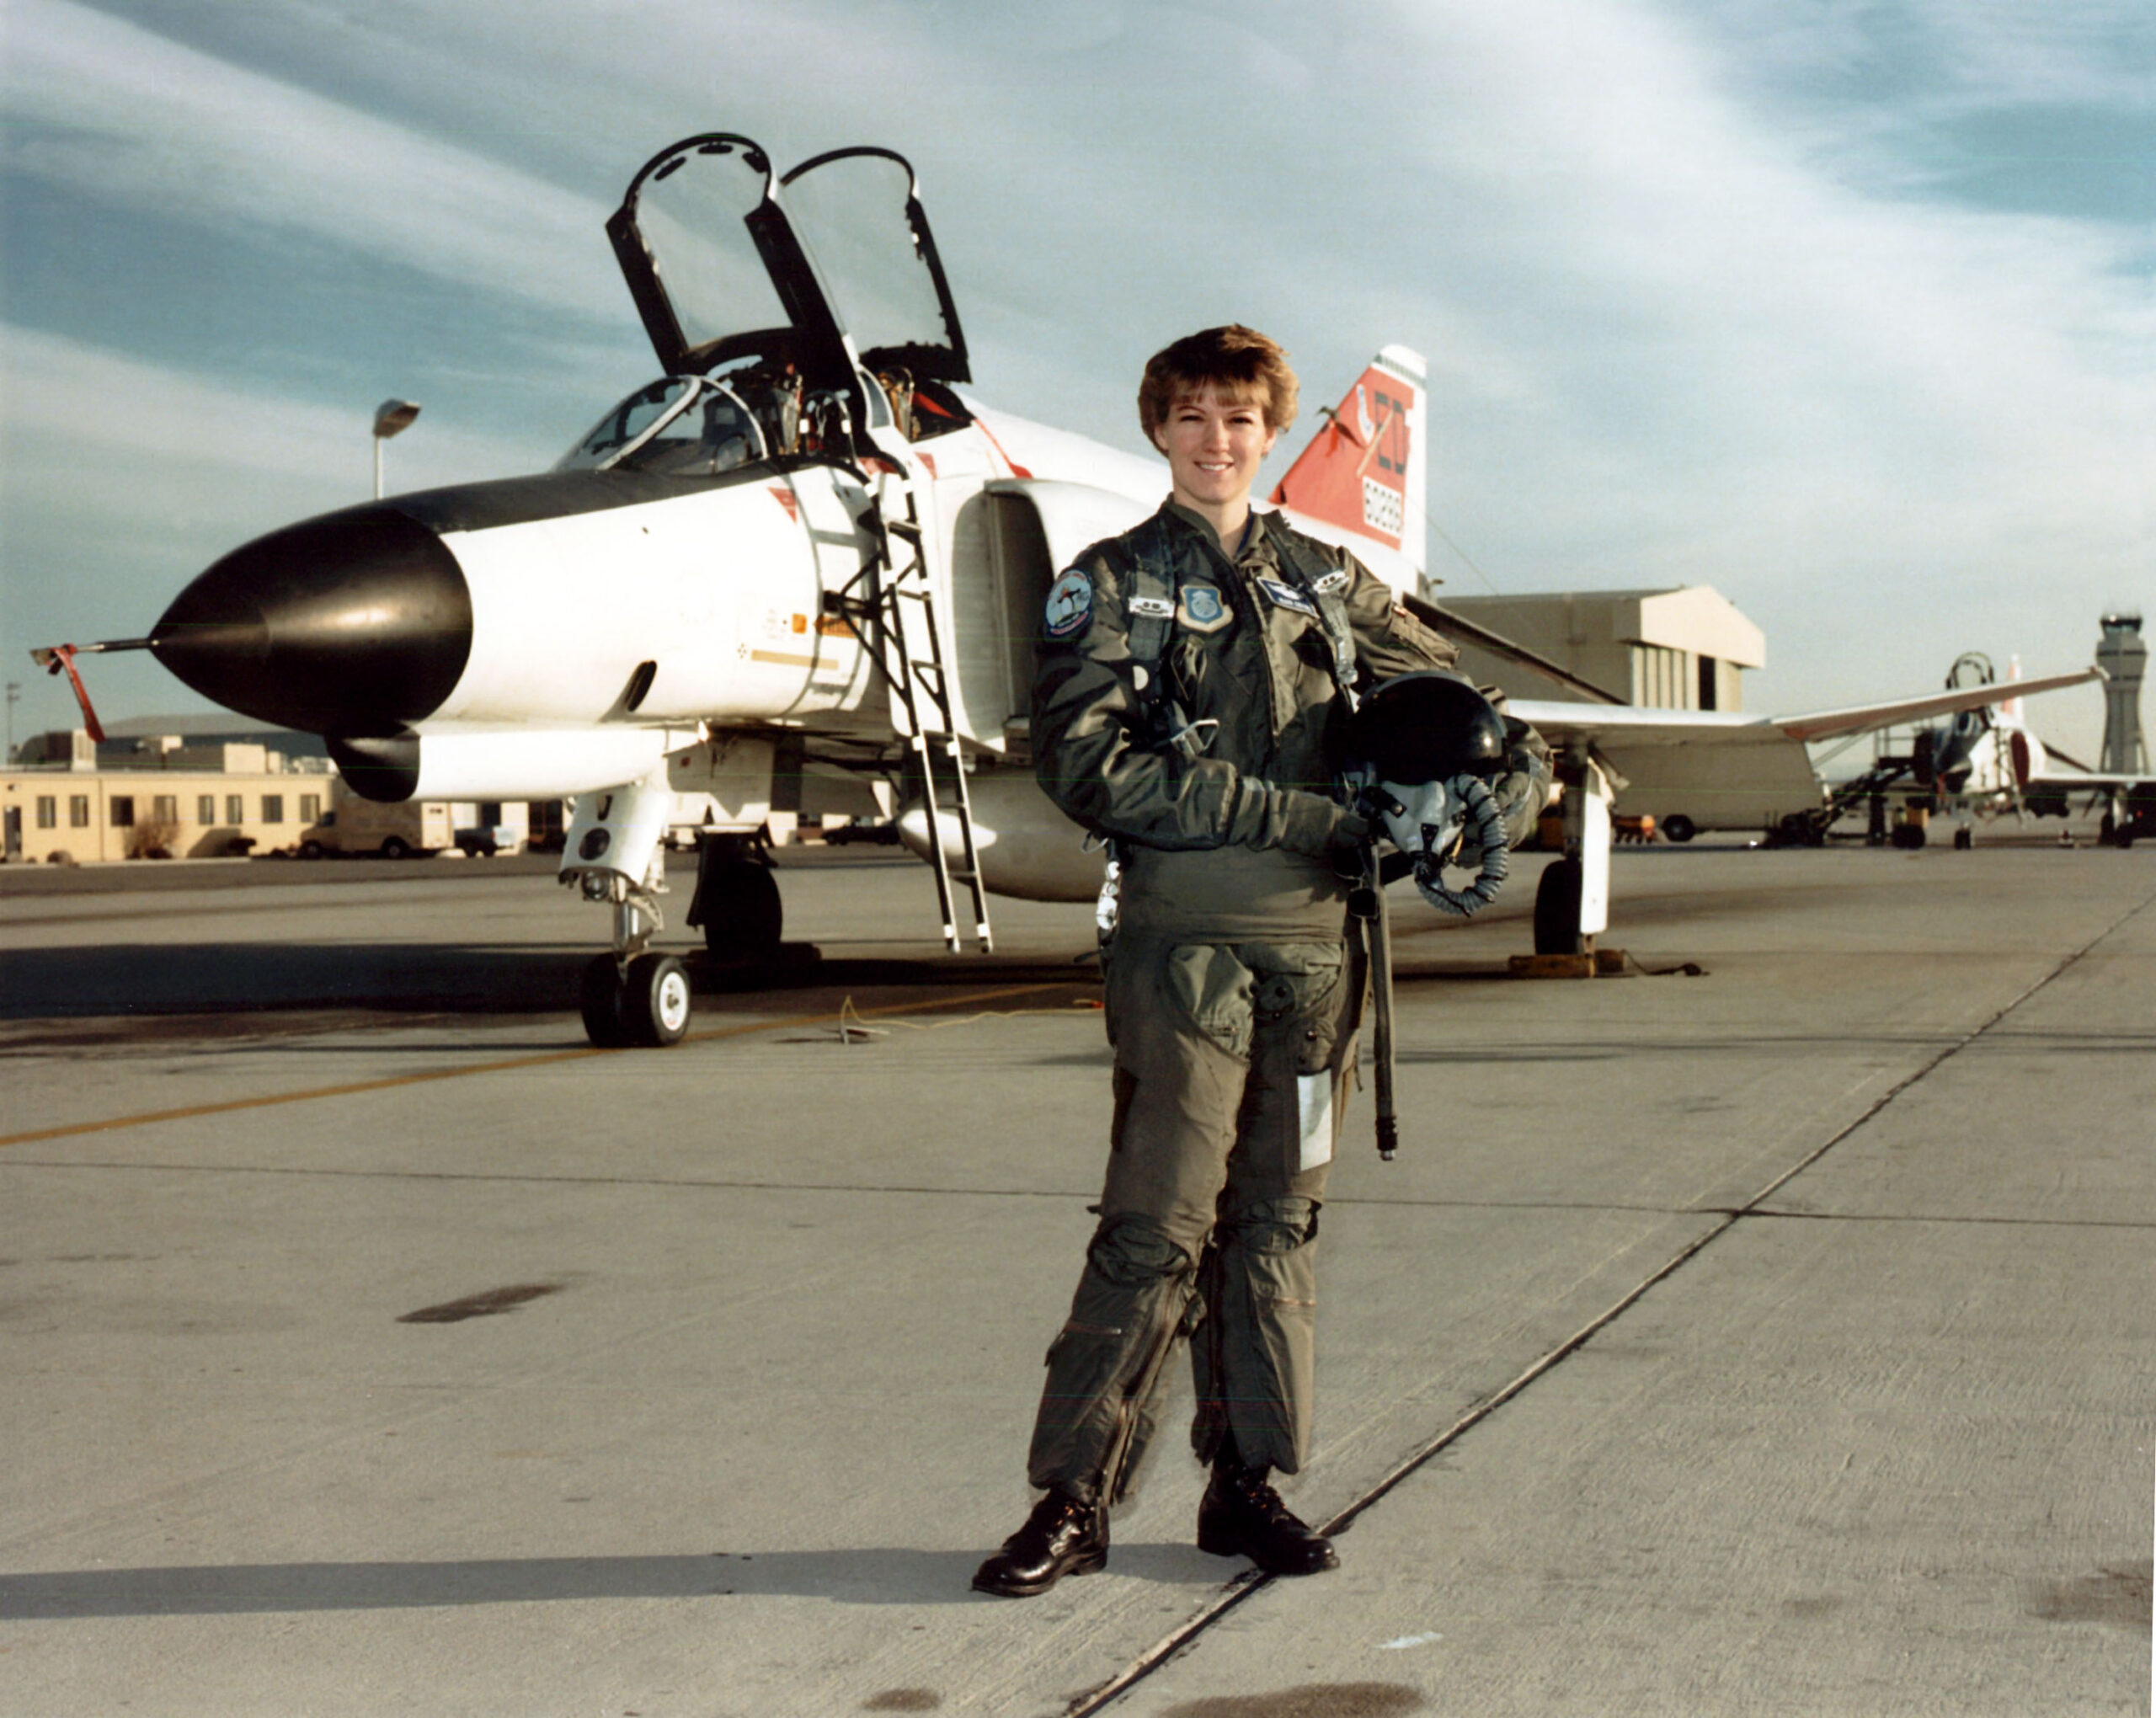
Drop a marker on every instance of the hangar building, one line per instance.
(1683, 647)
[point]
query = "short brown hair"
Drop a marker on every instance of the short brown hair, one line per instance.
(1240, 363)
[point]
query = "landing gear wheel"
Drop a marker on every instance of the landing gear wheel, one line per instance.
(1909, 836)
(1963, 841)
(1679, 829)
(1557, 908)
(737, 903)
(655, 1004)
(601, 995)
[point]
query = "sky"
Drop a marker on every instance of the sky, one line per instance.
(1844, 307)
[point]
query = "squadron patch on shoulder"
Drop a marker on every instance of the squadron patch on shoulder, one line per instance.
(1202, 610)
(1286, 597)
(1069, 606)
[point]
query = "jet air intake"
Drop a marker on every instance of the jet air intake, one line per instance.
(355, 623)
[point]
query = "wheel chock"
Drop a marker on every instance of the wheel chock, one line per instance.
(1603, 963)
(1552, 966)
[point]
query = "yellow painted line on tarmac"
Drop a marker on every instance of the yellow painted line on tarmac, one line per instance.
(149, 1118)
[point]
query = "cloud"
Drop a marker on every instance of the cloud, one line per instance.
(105, 415)
(2078, 52)
(118, 114)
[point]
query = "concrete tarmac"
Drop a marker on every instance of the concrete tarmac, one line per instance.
(1774, 1340)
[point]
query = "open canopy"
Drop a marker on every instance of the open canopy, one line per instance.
(833, 263)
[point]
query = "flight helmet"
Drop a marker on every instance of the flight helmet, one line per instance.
(1420, 728)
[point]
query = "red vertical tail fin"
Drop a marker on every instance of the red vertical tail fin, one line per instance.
(1363, 472)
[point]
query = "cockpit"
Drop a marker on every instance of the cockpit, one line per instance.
(793, 314)
(705, 426)
(680, 426)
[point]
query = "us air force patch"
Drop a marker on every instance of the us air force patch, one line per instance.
(1202, 609)
(1286, 597)
(1069, 606)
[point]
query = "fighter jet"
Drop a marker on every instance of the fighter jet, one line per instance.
(799, 563)
(1987, 762)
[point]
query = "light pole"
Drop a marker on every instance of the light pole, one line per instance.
(390, 417)
(15, 695)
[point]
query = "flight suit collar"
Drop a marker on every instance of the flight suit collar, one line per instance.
(1254, 531)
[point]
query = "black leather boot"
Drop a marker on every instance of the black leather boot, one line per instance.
(1063, 1536)
(1242, 1516)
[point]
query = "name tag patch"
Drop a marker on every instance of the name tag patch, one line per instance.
(1286, 597)
(1203, 609)
(1069, 606)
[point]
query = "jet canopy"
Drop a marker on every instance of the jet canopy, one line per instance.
(830, 267)
(679, 426)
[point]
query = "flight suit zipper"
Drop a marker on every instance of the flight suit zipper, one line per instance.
(1242, 583)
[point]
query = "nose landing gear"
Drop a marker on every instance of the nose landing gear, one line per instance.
(631, 995)
(642, 1002)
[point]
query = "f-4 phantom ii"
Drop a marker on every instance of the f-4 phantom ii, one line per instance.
(1986, 762)
(798, 562)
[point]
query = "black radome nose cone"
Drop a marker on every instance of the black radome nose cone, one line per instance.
(354, 624)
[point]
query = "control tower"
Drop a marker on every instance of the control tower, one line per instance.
(2122, 656)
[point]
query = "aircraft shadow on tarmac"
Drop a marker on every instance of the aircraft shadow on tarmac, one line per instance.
(207, 977)
(393, 977)
(880, 1575)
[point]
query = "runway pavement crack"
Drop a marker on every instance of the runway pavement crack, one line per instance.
(1920, 1220)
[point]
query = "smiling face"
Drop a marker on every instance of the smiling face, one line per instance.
(1214, 442)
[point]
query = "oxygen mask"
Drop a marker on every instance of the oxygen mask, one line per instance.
(1418, 756)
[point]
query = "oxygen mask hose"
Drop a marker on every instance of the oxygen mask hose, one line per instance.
(1483, 822)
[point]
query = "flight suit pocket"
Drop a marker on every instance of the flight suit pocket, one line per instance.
(1090, 1345)
(1315, 648)
(1211, 987)
(1302, 994)
(1303, 1009)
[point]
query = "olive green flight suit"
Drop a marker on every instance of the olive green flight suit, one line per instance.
(1232, 996)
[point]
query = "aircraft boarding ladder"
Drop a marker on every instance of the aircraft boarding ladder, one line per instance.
(901, 608)
(1869, 788)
